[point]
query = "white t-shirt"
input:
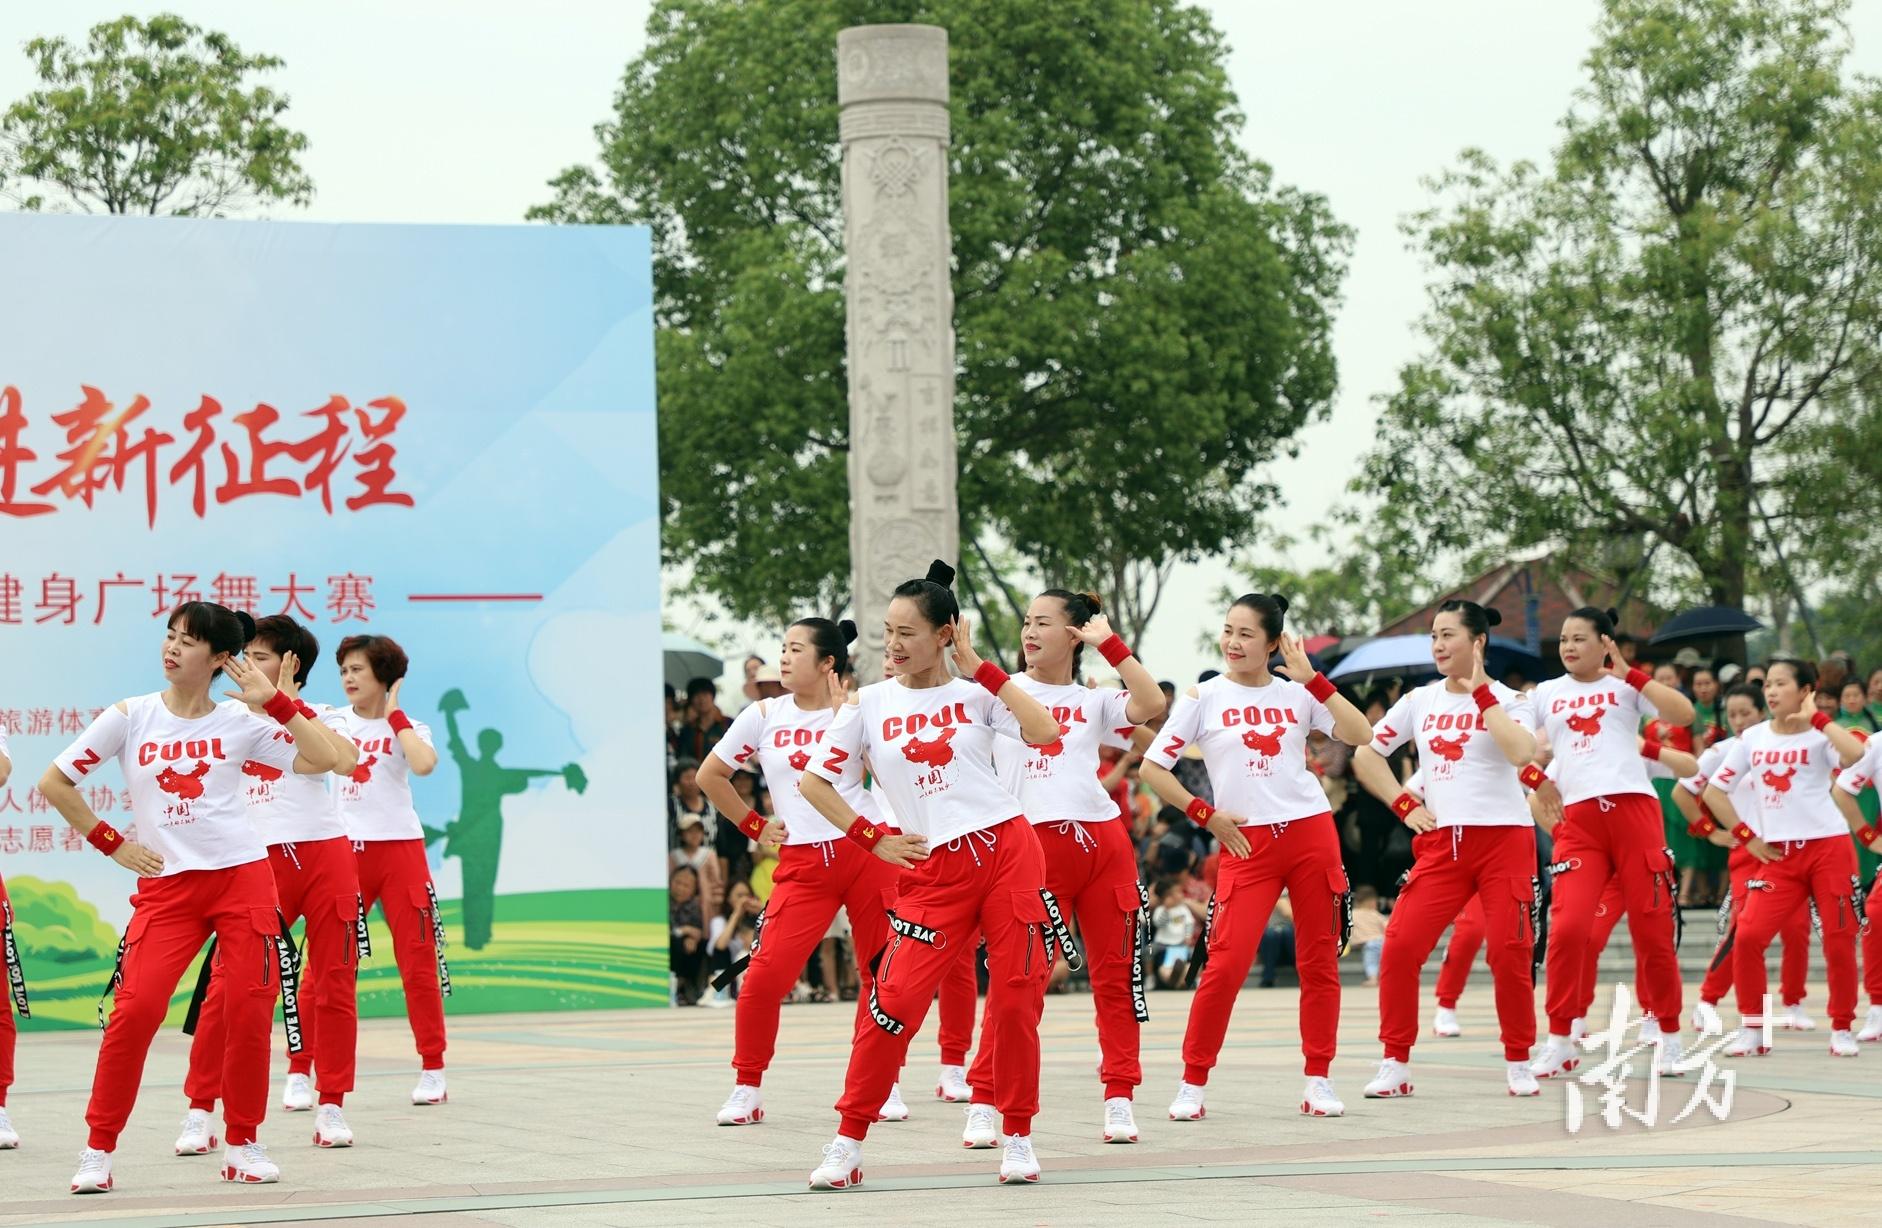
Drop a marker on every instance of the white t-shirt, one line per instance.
(1789, 774)
(779, 739)
(1853, 780)
(375, 802)
(1175, 927)
(1059, 783)
(185, 777)
(1744, 800)
(1468, 782)
(1254, 744)
(932, 752)
(287, 807)
(1593, 730)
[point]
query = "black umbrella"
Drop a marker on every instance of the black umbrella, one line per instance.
(1705, 622)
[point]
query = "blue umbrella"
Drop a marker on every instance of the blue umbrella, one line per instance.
(1409, 656)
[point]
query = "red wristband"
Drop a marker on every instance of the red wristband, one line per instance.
(305, 709)
(866, 832)
(1819, 720)
(753, 824)
(1638, 678)
(1650, 749)
(1743, 832)
(104, 838)
(991, 676)
(1199, 812)
(1704, 825)
(1404, 804)
(1320, 688)
(1869, 834)
(1532, 776)
(281, 708)
(1485, 697)
(1114, 650)
(398, 720)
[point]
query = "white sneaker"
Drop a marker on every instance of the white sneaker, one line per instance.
(1120, 1126)
(94, 1172)
(744, 1107)
(430, 1089)
(1445, 1024)
(893, 1109)
(1521, 1081)
(9, 1137)
(1188, 1103)
(1842, 1044)
(983, 1127)
(1671, 1051)
(198, 1137)
(249, 1165)
(842, 1165)
(952, 1085)
(1748, 1043)
(1705, 1019)
(1392, 1081)
(1650, 1029)
(1318, 1099)
(1796, 1019)
(1558, 1058)
(1871, 1025)
(330, 1128)
(298, 1095)
(719, 999)
(1019, 1163)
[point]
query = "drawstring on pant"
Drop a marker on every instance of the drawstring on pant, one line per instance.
(828, 850)
(1457, 834)
(1080, 837)
(969, 840)
(288, 848)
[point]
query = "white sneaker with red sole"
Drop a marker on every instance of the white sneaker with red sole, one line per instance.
(198, 1137)
(94, 1172)
(1558, 1057)
(1392, 1081)
(430, 1089)
(1521, 1081)
(330, 1128)
(1318, 1100)
(893, 1109)
(1188, 1103)
(842, 1166)
(1120, 1124)
(952, 1085)
(744, 1107)
(1019, 1165)
(249, 1164)
(297, 1095)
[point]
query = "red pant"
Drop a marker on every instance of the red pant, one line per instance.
(393, 874)
(812, 882)
(1871, 945)
(959, 992)
(1498, 866)
(1091, 869)
(1605, 837)
(1304, 858)
(318, 881)
(1795, 968)
(170, 919)
(1467, 940)
(9, 1032)
(991, 880)
(1822, 870)
(1607, 917)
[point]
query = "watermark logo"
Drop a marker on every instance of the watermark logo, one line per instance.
(1618, 1064)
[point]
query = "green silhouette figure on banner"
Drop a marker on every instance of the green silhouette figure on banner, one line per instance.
(476, 838)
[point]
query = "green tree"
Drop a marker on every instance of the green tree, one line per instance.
(1644, 344)
(1142, 314)
(153, 116)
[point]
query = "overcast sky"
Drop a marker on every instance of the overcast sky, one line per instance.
(461, 110)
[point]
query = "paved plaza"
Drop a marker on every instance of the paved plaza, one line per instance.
(606, 1119)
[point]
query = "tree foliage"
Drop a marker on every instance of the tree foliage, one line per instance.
(154, 116)
(1650, 341)
(1142, 314)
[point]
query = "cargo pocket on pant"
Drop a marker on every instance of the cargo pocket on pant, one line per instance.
(1659, 865)
(1133, 902)
(278, 966)
(1342, 908)
(127, 948)
(351, 911)
(1029, 913)
(1523, 932)
(431, 936)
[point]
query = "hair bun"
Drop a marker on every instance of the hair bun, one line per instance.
(847, 630)
(1279, 601)
(1092, 603)
(940, 573)
(1493, 616)
(1614, 616)
(248, 624)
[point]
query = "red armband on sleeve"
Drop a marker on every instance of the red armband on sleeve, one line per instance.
(866, 832)
(104, 838)
(991, 676)
(1320, 688)
(1114, 650)
(1743, 832)
(1638, 678)
(1532, 777)
(1819, 720)
(1404, 804)
(753, 824)
(1869, 834)
(1199, 812)
(1651, 749)
(1485, 697)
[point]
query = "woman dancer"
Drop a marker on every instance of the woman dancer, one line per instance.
(1472, 736)
(317, 877)
(375, 804)
(201, 870)
(1799, 845)
(1091, 863)
(977, 864)
(1612, 828)
(1276, 829)
(1850, 786)
(15, 988)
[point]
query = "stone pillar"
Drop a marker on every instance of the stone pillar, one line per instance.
(892, 92)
